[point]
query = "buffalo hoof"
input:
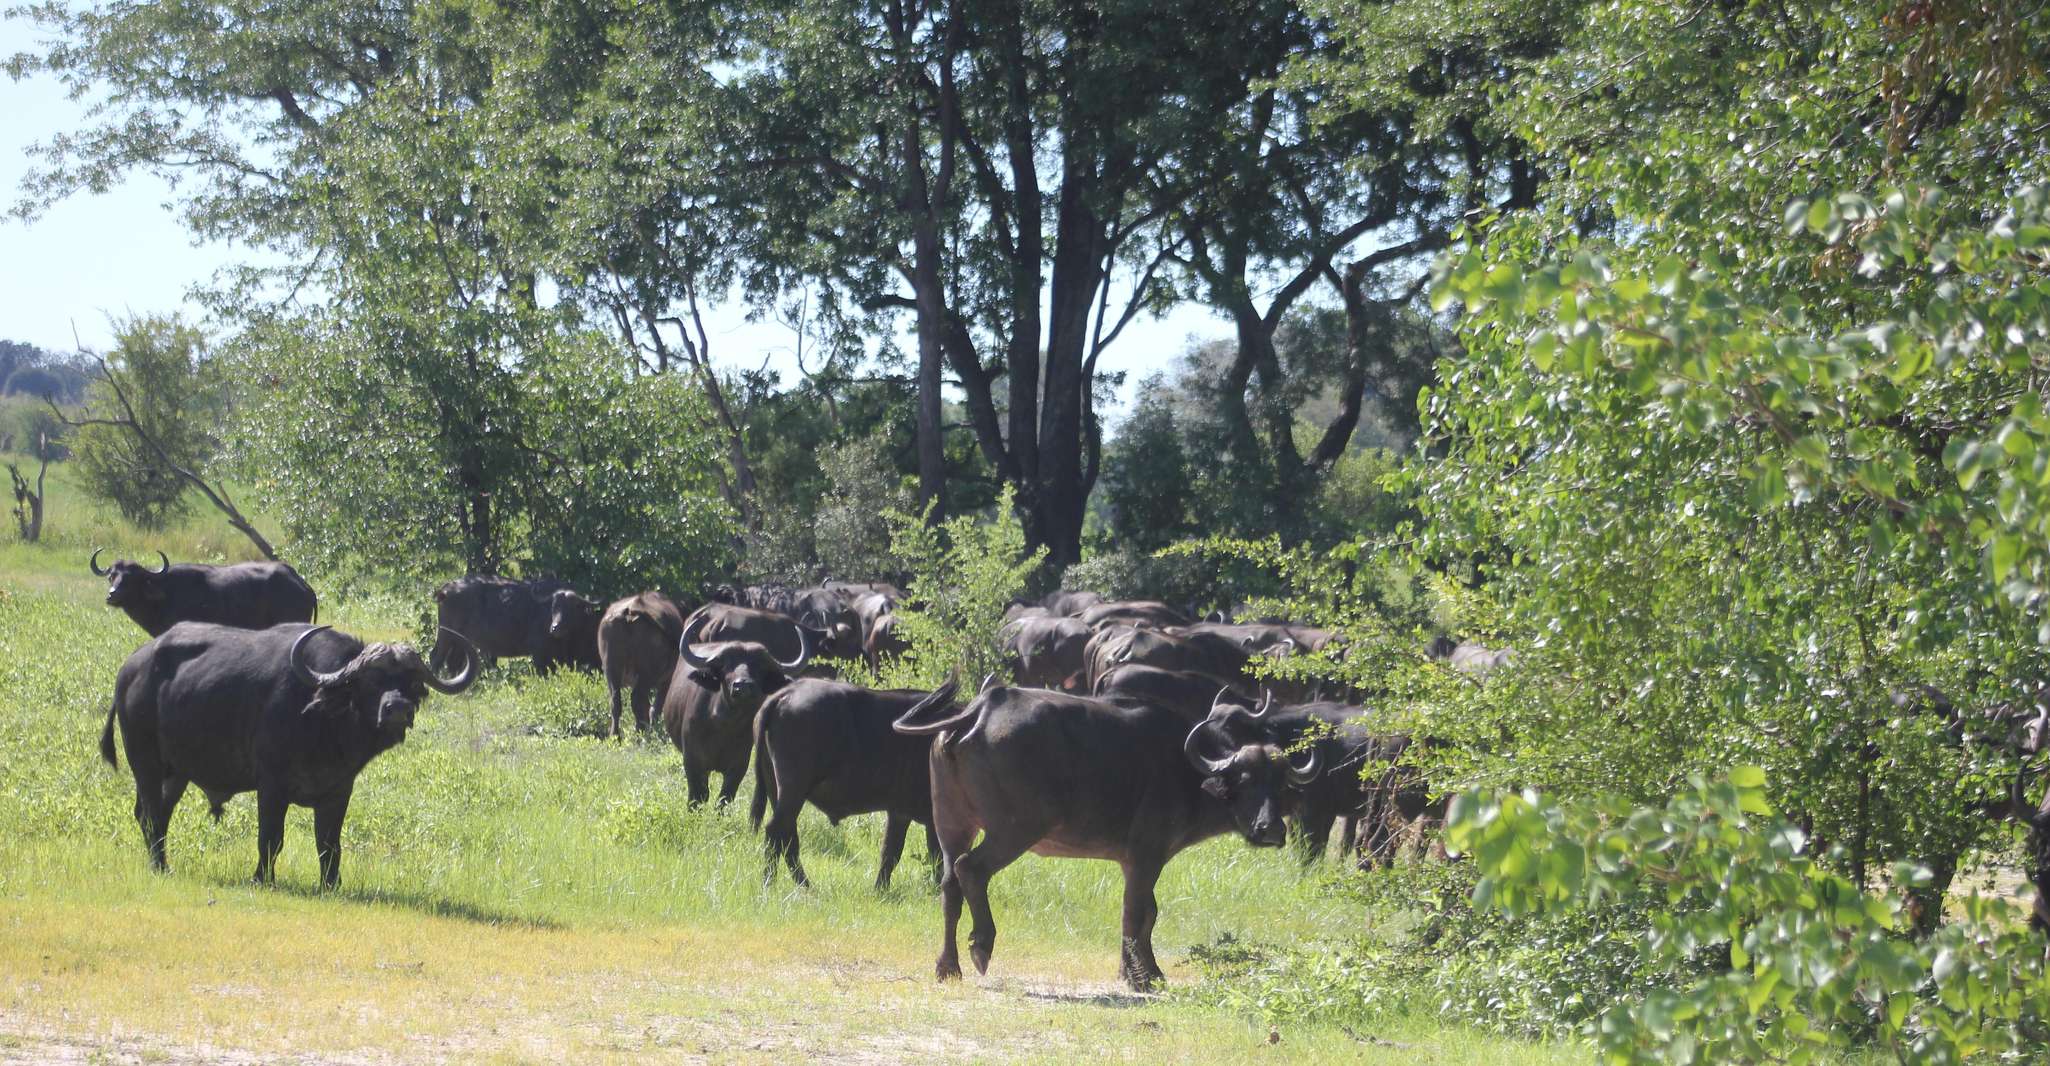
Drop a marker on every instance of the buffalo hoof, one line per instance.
(948, 968)
(979, 954)
(1144, 982)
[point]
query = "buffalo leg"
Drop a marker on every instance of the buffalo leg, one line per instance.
(1348, 834)
(779, 839)
(1141, 970)
(615, 711)
(893, 847)
(933, 855)
(729, 785)
(327, 838)
(645, 703)
(270, 831)
(1313, 834)
(697, 779)
(973, 872)
(151, 814)
(954, 841)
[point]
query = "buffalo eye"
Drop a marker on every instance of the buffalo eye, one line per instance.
(1218, 787)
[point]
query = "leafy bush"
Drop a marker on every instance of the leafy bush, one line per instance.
(851, 529)
(566, 703)
(963, 574)
(1808, 962)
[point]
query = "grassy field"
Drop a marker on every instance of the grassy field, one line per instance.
(513, 893)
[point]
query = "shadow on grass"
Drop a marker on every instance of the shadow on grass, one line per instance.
(436, 906)
(1091, 998)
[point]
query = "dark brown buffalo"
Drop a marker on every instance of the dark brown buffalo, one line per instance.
(1070, 604)
(885, 641)
(780, 599)
(1046, 772)
(1025, 610)
(830, 744)
(637, 639)
(710, 708)
(1364, 782)
(1150, 614)
(501, 617)
(1191, 695)
(293, 713)
(1118, 645)
(1474, 660)
(244, 595)
(573, 629)
(869, 608)
(780, 633)
(1046, 652)
(1257, 638)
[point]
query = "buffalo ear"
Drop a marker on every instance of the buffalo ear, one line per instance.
(704, 677)
(1217, 787)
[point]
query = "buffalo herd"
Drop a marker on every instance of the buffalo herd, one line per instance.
(1133, 730)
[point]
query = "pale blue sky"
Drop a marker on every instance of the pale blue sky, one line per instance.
(92, 257)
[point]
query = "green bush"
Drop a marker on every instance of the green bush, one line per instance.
(566, 703)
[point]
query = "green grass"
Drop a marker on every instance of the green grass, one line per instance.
(514, 892)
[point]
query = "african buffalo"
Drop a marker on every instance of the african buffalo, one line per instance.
(710, 708)
(1045, 652)
(831, 744)
(503, 618)
(1259, 637)
(781, 634)
(573, 629)
(1467, 657)
(244, 595)
(885, 641)
(1143, 613)
(1069, 604)
(1065, 775)
(1116, 645)
(1363, 783)
(293, 712)
(1191, 695)
(637, 639)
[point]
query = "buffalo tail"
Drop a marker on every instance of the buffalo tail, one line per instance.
(765, 768)
(107, 739)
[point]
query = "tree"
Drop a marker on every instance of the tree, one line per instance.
(177, 405)
(28, 503)
(1758, 461)
(152, 408)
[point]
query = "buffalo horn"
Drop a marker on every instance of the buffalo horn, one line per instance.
(803, 652)
(683, 648)
(306, 673)
(465, 676)
(1303, 773)
(166, 566)
(94, 563)
(1193, 746)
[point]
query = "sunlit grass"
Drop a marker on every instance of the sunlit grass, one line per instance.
(512, 891)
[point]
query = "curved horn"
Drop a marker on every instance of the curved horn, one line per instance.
(1287, 646)
(1218, 703)
(940, 697)
(690, 627)
(465, 677)
(1193, 747)
(1300, 774)
(299, 668)
(1266, 702)
(166, 565)
(94, 563)
(803, 652)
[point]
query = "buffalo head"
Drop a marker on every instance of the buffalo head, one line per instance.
(572, 612)
(1243, 766)
(744, 672)
(383, 684)
(130, 583)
